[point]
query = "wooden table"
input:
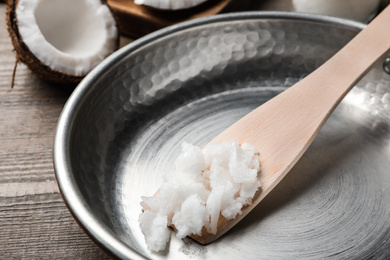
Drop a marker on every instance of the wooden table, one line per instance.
(34, 221)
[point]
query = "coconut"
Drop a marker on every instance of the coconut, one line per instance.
(170, 4)
(219, 180)
(61, 40)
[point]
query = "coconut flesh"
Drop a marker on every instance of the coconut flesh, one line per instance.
(170, 4)
(206, 183)
(70, 37)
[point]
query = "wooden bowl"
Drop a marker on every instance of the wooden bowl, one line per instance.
(136, 20)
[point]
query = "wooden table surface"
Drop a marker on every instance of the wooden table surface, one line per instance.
(34, 221)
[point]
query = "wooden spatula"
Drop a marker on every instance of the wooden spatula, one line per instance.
(284, 127)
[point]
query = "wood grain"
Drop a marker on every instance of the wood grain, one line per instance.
(35, 223)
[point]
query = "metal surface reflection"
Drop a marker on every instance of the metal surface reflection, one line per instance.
(123, 127)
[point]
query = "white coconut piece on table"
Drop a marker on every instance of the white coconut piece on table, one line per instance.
(66, 38)
(220, 179)
(170, 4)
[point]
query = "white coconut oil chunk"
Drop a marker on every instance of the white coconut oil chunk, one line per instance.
(218, 180)
(170, 4)
(69, 36)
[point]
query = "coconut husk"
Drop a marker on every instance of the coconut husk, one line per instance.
(26, 56)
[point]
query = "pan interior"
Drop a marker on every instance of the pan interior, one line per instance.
(192, 84)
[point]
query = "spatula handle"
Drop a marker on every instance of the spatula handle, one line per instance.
(340, 73)
(302, 109)
(284, 127)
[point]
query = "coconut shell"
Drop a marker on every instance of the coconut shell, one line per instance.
(26, 56)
